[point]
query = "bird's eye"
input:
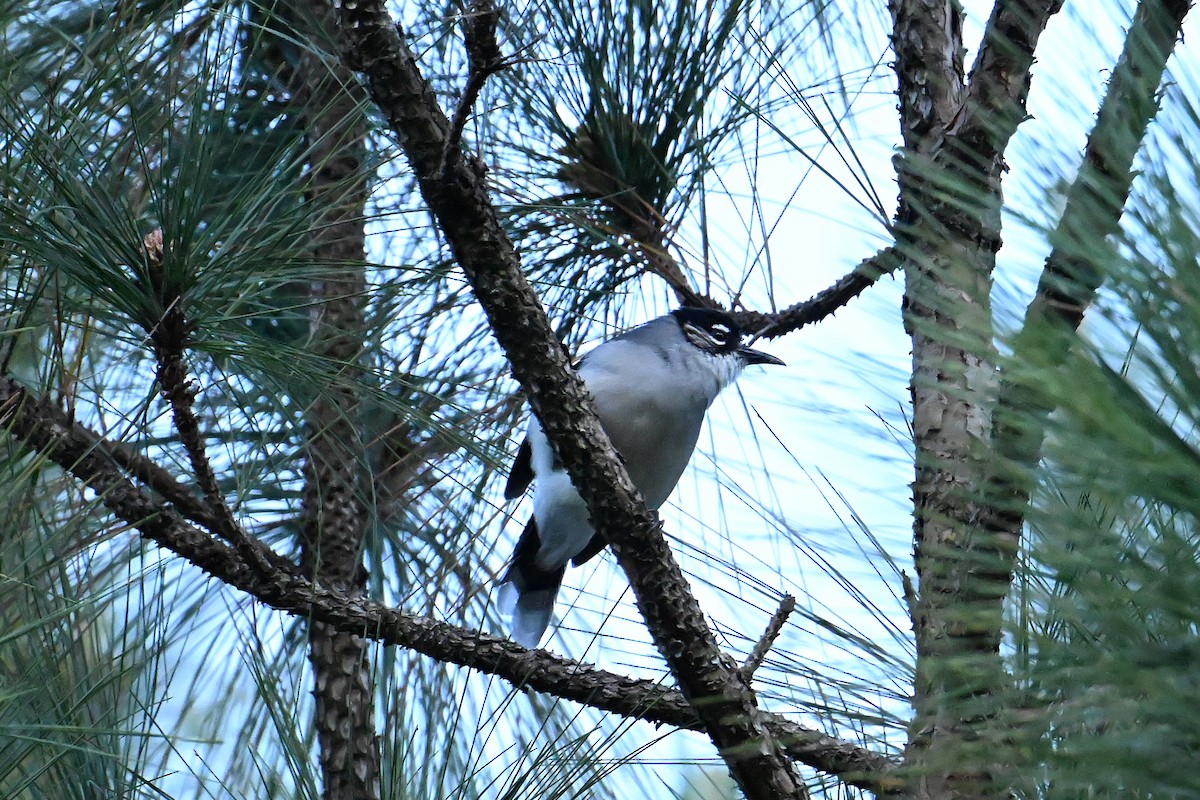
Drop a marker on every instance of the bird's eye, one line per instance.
(713, 336)
(720, 331)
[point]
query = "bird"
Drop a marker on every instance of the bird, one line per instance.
(651, 387)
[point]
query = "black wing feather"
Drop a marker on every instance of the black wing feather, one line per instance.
(594, 546)
(524, 572)
(522, 472)
(522, 469)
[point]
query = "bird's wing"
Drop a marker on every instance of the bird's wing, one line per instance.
(521, 474)
(596, 544)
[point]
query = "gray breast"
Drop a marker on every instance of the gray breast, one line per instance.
(651, 411)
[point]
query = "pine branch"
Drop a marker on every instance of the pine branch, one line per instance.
(169, 336)
(83, 454)
(458, 200)
(826, 302)
(1000, 78)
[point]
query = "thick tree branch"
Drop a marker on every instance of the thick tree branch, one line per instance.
(458, 199)
(927, 41)
(948, 229)
(1000, 78)
(83, 454)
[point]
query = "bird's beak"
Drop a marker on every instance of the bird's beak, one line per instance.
(752, 356)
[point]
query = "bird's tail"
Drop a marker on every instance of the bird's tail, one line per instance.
(527, 592)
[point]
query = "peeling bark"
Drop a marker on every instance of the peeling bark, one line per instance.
(948, 228)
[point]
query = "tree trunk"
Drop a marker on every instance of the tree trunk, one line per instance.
(968, 512)
(335, 516)
(948, 229)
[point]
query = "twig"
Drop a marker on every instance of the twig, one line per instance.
(82, 453)
(759, 654)
(910, 599)
(484, 60)
(169, 337)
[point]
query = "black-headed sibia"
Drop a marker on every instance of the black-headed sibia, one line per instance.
(651, 387)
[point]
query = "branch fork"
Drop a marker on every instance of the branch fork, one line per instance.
(484, 59)
(169, 336)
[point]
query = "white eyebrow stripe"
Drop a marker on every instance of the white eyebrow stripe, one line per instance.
(704, 339)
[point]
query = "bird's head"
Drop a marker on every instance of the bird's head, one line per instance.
(718, 334)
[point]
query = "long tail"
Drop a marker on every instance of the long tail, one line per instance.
(527, 592)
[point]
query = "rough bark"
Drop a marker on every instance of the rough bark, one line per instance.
(335, 516)
(948, 228)
(453, 187)
(825, 302)
(101, 466)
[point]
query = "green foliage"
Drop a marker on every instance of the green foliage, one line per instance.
(1114, 631)
(76, 659)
